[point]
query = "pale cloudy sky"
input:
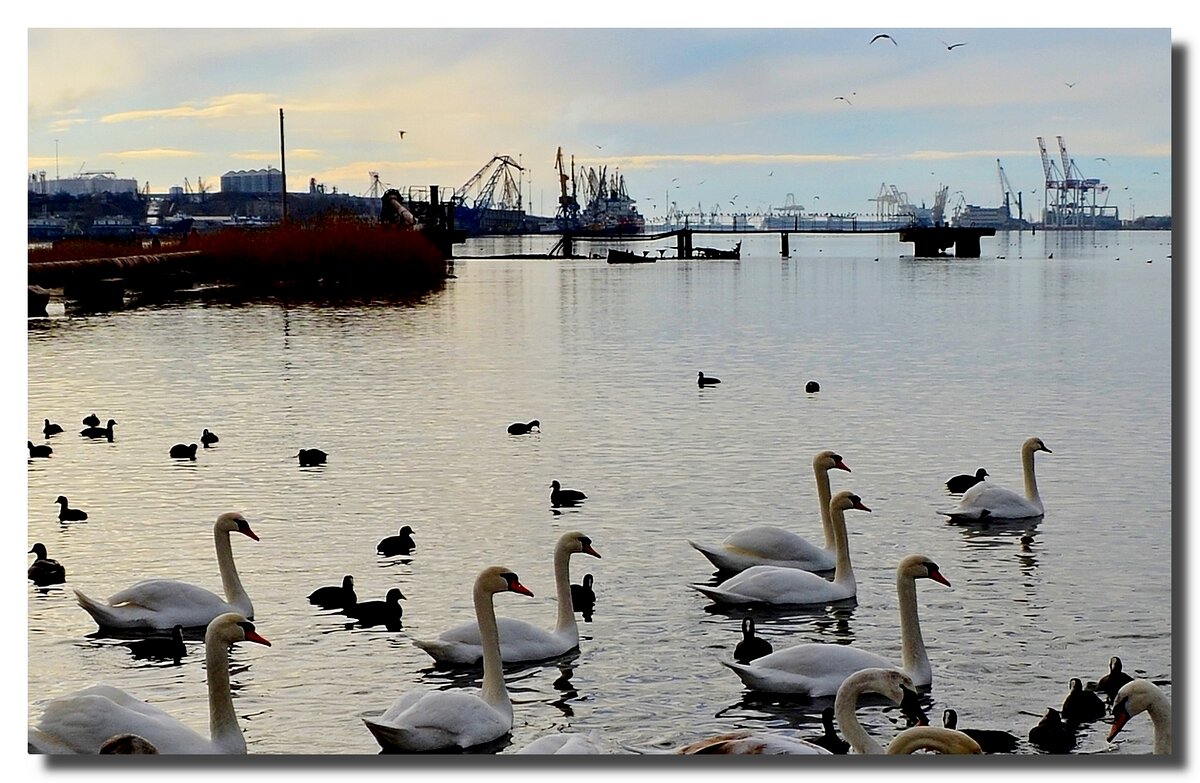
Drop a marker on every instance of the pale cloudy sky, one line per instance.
(697, 116)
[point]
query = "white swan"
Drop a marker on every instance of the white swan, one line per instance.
(1001, 503)
(892, 684)
(1144, 696)
(790, 586)
(564, 744)
(164, 603)
(520, 640)
(83, 721)
(424, 720)
(751, 742)
(767, 545)
(818, 669)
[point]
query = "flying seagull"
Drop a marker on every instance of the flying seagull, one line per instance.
(1070, 84)
(951, 47)
(843, 98)
(1103, 159)
(735, 197)
(401, 134)
(599, 146)
(884, 35)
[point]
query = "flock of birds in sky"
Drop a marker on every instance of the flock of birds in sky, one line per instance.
(762, 565)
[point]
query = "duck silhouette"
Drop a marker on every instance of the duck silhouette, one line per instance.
(751, 646)
(66, 514)
(518, 428)
(962, 482)
(49, 429)
(99, 432)
(38, 450)
(386, 612)
(310, 457)
(1082, 706)
(334, 597)
(564, 497)
(400, 544)
(1051, 734)
(702, 381)
(208, 438)
(44, 571)
(1110, 683)
(161, 647)
(183, 451)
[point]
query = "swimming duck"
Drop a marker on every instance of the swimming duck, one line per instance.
(310, 457)
(400, 544)
(701, 381)
(518, 428)
(564, 497)
(334, 597)
(208, 438)
(39, 450)
(66, 514)
(183, 451)
(751, 646)
(49, 429)
(44, 571)
(961, 483)
(99, 432)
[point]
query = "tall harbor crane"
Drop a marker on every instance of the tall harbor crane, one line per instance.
(1006, 191)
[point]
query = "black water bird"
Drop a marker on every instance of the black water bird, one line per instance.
(184, 451)
(884, 35)
(400, 544)
(310, 457)
(1082, 706)
(990, 740)
(519, 428)
(334, 597)
(702, 381)
(99, 432)
(962, 482)
(39, 450)
(208, 438)
(160, 647)
(910, 707)
(583, 597)
(1110, 683)
(49, 429)
(91, 420)
(1051, 734)
(44, 571)
(66, 514)
(751, 646)
(812, 387)
(830, 739)
(387, 612)
(564, 497)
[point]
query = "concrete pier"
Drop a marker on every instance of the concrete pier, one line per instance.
(935, 240)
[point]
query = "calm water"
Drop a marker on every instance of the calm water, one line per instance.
(928, 368)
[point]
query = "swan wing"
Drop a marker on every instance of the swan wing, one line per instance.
(158, 603)
(766, 545)
(756, 743)
(563, 745)
(424, 720)
(1001, 503)
(519, 641)
(83, 721)
(815, 669)
(776, 585)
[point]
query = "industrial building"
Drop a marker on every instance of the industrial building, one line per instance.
(268, 180)
(85, 183)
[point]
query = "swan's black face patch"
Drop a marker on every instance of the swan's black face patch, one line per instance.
(247, 626)
(585, 542)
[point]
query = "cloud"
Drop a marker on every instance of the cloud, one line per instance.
(154, 153)
(59, 126)
(273, 156)
(233, 105)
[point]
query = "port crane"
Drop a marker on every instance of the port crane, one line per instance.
(1069, 205)
(568, 204)
(1006, 191)
(500, 190)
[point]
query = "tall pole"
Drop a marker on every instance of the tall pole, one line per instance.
(282, 170)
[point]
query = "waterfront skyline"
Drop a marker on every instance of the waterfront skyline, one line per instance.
(731, 120)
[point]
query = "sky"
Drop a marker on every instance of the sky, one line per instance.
(719, 118)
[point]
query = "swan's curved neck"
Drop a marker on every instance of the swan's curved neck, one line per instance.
(844, 705)
(1031, 488)
(231, 583)
(823, 497)
(843, 573)
(222, 720)
(562, 588)
(913, 656)
(494, 692)
(1160, 715)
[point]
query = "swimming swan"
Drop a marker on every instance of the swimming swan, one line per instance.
(777, 585)
(892, 684)
(818, 669)
(424, 720)
(1003, 503)
(81, 722)
(520, 640)
(767, 545)
(163, 603)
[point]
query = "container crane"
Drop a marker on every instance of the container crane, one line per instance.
(568, 204)
(499, 178)
(1006, 191)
